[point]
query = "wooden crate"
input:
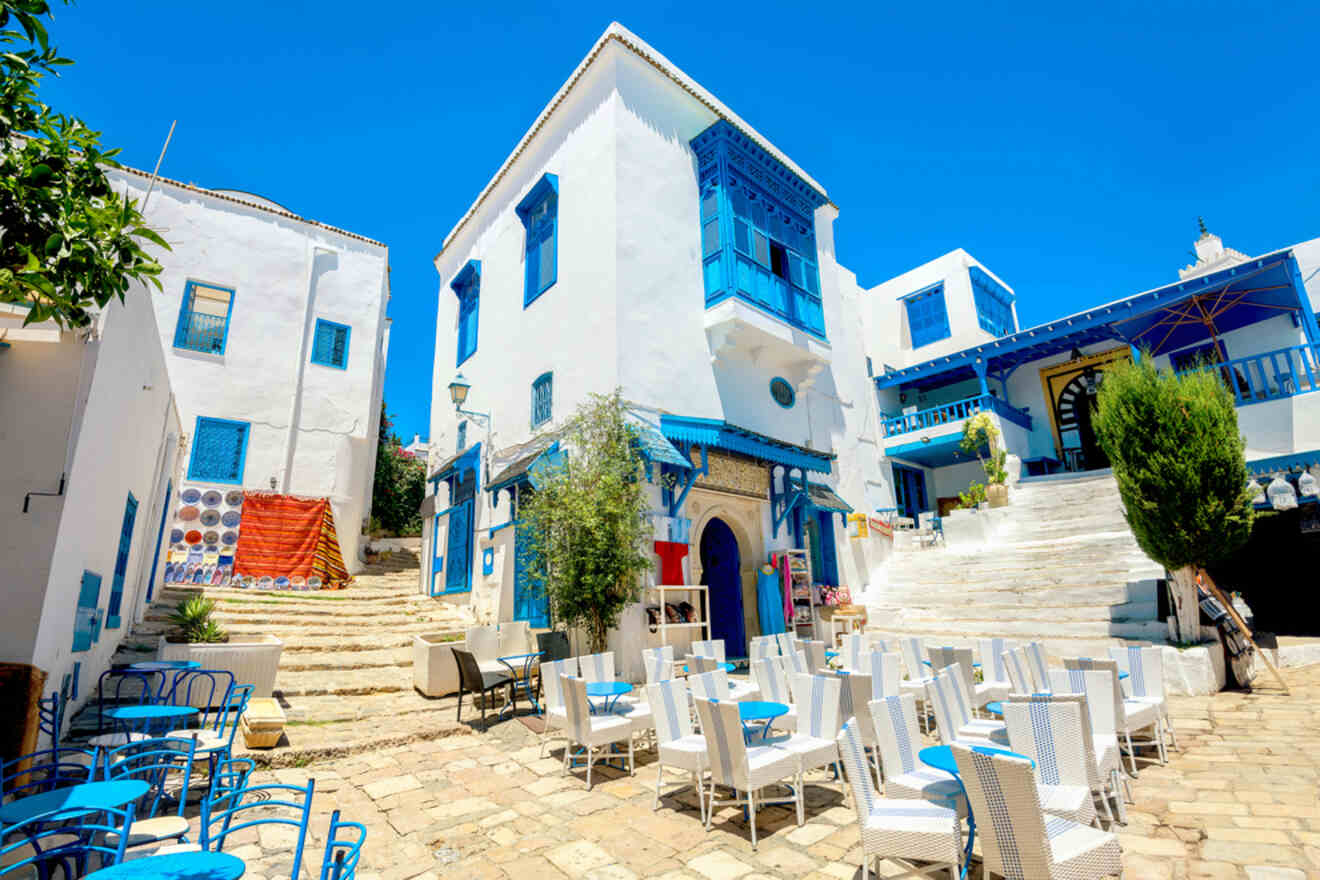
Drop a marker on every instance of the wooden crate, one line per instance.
(262, 723)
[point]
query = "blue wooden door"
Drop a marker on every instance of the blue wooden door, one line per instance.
(121, 563)
(529, 603)
(458, 555)
(160, 534)
(437, 556)
(722, 574)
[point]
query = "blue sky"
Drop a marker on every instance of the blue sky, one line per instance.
(1070, 147)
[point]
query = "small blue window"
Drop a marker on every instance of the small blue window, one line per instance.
(928, 319)
(330, 344)
(462, 436)
(488, 561)
(539, 212)
(782, 392)
(87, 618)
(467, 287)
(543, 390)
(204, 318)
(219, 451)
(121, 563)
(994, 304)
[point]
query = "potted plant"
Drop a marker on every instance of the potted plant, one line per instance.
(435, 671)
(979, 432)
(196, 636)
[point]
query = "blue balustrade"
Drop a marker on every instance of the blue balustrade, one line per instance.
(1271, 375)
(956, 411)
(201, 332)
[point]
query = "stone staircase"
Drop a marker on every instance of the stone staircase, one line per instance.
(345, 675)
(1062, 567)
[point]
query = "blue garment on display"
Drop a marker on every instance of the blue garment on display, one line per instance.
(769, 601)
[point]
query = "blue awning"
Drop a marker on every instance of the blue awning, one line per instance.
(715, 434)
(651, 442)
(939, 452)
(824, 498)
(465, 460)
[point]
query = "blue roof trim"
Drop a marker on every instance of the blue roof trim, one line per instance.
(549, 183)
(653, 446)
(718, 434)
(1100, 324)
(471, 271)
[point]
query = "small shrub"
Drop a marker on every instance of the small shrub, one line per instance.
(192, 619)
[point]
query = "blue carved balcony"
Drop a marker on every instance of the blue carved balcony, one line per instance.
(1272, 375)
(954, 414)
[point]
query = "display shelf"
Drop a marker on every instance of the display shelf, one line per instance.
(663, 628)
(804, 593)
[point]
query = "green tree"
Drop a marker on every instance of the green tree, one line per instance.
(586, 525)
(68, 242)
(1174, 445)
(399, 486)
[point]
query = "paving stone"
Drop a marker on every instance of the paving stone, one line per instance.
(719, 866)
(577, 858)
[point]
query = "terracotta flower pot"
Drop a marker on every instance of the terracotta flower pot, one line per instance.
(997, 494)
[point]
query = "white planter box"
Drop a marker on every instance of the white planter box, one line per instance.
(435, 671)
(253, 662)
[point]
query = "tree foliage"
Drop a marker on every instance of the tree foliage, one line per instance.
(980, 432)
(68, 242)
(586, 526)
(399, 485)
(1174, 445)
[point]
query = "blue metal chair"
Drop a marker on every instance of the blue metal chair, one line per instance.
(271, 803)
(341, 853)
(50, 715)
(47, 770)
(216, 740)
(208, 689)
(71, 840)
(166, 765)
(230, 775)
(132, 687)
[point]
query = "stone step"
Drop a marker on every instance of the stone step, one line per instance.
(291, 683)
(915, 615)
(303, 661)
(1017, 628)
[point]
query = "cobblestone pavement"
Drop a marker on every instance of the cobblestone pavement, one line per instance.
(1239, 801)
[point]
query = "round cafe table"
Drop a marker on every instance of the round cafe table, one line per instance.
(74, 799)
(610, 691)
(163, 665)
(759, 710)
(141, 719)
(727, 667)
(941, 758)
(176, 866)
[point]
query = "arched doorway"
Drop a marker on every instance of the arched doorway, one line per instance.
(1076, 408)
(721, 567)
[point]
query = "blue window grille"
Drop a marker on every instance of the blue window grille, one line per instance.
(539, 212)
(467, 287)
(204, 318)
(462, 436)
(87, 618)
(994, 304)
(330, 344)
(782, 392)
(121, 563)
(219, 450)
(542, 398)
(928, 319)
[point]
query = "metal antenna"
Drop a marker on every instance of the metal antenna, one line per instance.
(156, 171)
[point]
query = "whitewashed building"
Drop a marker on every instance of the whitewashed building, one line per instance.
(275, 337)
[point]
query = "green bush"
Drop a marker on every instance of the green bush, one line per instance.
(399, 486)
(192, 617)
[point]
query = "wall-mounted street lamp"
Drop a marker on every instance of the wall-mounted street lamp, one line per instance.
(458, 393)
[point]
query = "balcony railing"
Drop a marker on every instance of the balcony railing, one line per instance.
(1272, 375)
(201, 332)
(955, 412)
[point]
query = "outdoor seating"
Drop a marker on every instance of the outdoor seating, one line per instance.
(1102, 768)
(817, 698)
(855, 692)
(1130, 716)
(597, 667)
(658, 663)
(257, 807)
(229, 776)
(886, 673)
(217, 741)
(995, 683)
(905, 831)
(762, 647)
(795, 662)
(166, 765)
(943, 658)
(743, 768)
(50, 715)
(773, 683)
(738, 689)
(894, 719)
(1018, 669)
(46, 770)
(1094, 686)
(815, 651)
(713, 685)
(1037, 663)
(589, 730)
(918, 673)
(205, 688)
(1050, 733)
(953, 712)
(712, 648)
(677, 743)
(1145, 669)
(554, 714)
(483, 685)
(515, 637)
(852, 651)
(343, 848)
(553, 645)
(788, 643)
(77, 845)
(1018, 840)
(483, 643)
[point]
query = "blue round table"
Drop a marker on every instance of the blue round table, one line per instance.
(830, 655)
(995, 708)
(727, 667)
(526, 681)
(609, 690)
(759, 710)
(140, 719)
(87, 797)
(941, 758)
(176, 866)
(163, 665)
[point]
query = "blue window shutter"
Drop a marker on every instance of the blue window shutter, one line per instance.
(160, 535)
(928, 318)
(539, 212)
(219, 451)
(112, 617)
(462, 436)
(542, 399)
(204, 320)
(467, 287)
(85, 619)
(330, 344)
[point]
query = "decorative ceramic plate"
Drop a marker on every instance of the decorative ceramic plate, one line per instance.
(189, 513)
(210, 517)
(190, 496)
(266, 582)
(314, 583)
(211, 537)
(193, 537)
(176, 535)
(226, 559)
(212, 548)
(231, 518)
(298, 582)
(229, 538)
(281, 583)
(212, 498)
(234, 498)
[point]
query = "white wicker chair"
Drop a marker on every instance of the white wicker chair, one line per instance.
(1050, 733)
(552, 701)
(906, 832)
(795, 663)
(738, 689)
(895, 722)
(515, 638)
(762, 647)
(853, 651)
(1145, 669)
(1018, 841)
(597, 667)
(1038, 663)
(953, 712)
(943, 658)
(773, 683)
(741, 767)
(712, 648)
(994, 672)
(677, 744)
(1018, 669)
(713, 685)
(1102, 769)
(918, 673)
(1130, 716)
(815, 651)
(817, 698)
(658, 663)
(484, 644)
(788, 642)
(591, 731)
(854, 695)
(886, 673)
(1095, 686)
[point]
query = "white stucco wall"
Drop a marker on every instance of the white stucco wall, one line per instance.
(285, 273)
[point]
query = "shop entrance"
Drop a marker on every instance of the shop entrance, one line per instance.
(721, 568)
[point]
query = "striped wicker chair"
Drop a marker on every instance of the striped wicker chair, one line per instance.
(713, 685)
(994, 671)
(886, 673)
(920, 836)
(853, 651)
(738, 689)
(1094, 686)
(1018, 840)
(795, 662)
(1130, 716)
(1018, 669)
(816, 659)
(773, 683)
(1040, 668)
(712, 648)
(918, 673)
(597, 667)
(1102, 769)
(762, 647)
(953, 712)
(895, 722)
(591, 731)
(658, 663)
(677, 744)
(818, 699)
(788, 643)
(1050, 733)
(854, 695)
(943, 658)
(741, 767)
(1145, 669)
(552, 701)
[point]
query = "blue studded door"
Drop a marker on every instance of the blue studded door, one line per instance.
(458, 556)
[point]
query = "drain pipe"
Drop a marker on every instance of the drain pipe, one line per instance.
(300, 369)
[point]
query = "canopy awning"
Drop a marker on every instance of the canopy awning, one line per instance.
(1160, 321)
(716, 434)
(461, 461)
(651, 442)
(824, 498)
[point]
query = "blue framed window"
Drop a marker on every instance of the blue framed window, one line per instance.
(994, 303)
(467, 287)
(219, 450)
(121, 563)
(928, 318)
(330, 344)
(782, 392)
(204, 318)
(462, 436)
(1197, 356)
(539, 212)
(543, 392)
(87, 617)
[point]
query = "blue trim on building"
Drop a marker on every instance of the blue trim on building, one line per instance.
(160, 536)
(543, 399)
(539, 213)
(786, 388)
(993, 301)
(203, 338)
(684, 430)
(927, 315)
(327, 349)
(87, 616)
(467, 288)
(123, 553)
(940, 451)
(198, 465)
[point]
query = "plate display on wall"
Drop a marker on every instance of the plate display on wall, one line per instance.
(314, 582)
(298, 582)
(211, 537)
(189, 513)
(231, 518)
(193, 537)
(266, 582)
(234, 498)
(212, 498)
(176, 535)
(212, 548)
(281, 583)
(229, 538)
(190, 496)
(210, 517)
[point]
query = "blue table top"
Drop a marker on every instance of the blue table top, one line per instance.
(144, 713)
(941, 757)
(995, 708)
(520, 656)
(830, 655)
(727, 667)
(607, 688)
(176, 866)
(760, 710)
(87, 796)
(163, 665)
